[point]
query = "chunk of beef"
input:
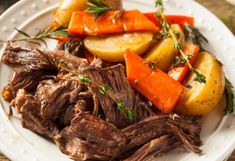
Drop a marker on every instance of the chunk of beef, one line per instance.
(28, 106)
(37, 59)
(83, 104)
(72, 62)
(114, 77)
(15, 55)
(155, 148)
(55, 96)
(28, 79)
(90, 138)
(159, 125)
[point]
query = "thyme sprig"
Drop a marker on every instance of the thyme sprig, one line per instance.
(97, 8)
(103, 90)
(229, 97)
(166, 30)
(192, 34)
(48, 33)
(179, 61)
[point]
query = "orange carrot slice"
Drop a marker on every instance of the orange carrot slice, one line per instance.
(156, 86)
(131, 21)
(172, 19)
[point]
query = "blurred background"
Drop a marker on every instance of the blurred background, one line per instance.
(221, 8)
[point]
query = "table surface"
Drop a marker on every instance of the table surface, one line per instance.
(220, 8)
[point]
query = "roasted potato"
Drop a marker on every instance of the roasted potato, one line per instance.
(163, 52)
(112, 48)
(199, 98)
(67, 7)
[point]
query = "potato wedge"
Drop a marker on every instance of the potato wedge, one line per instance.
(112, 48)
(200, 98)
(163, 53)
(67, 7)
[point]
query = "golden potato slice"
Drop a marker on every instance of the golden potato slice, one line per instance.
(112, 48)
(199, 98)
(163, 53)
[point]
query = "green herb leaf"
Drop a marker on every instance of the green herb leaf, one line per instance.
(97, 8)
(199, 77)
(121, 106)
(177, 45)
(176, 33)
(103, 89)
(22, 32)
(48, 33)
(158, 3)
(166, 35)
(84, 79)
(165, 26)
(130, 114)
(229, 97)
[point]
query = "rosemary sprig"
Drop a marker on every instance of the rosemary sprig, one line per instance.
(97, 8)
(192, 34)
(103, 90)
(48, 33)
(229, 97)
(167, 30)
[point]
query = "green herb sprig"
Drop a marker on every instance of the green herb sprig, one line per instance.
(177, 45)
(179, 61)
(103, 90)
(48, 33)
(229, 97)
(97, 8)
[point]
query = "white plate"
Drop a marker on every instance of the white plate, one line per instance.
(218, 133)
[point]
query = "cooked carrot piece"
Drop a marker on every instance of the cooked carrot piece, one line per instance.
(85, 24)
(155, 85)
(173, 19)
(106, 24)
(180, 71)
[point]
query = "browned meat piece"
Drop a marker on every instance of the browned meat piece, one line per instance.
(37, 59)
(55, 96)
(15, 55)
(90, 138)
(72, 62)
(28, 79)
(28, 106)
(155, 148)
(71, 111)
(114, 77)
(158, 125)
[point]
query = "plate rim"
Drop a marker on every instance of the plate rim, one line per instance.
(228, 33)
